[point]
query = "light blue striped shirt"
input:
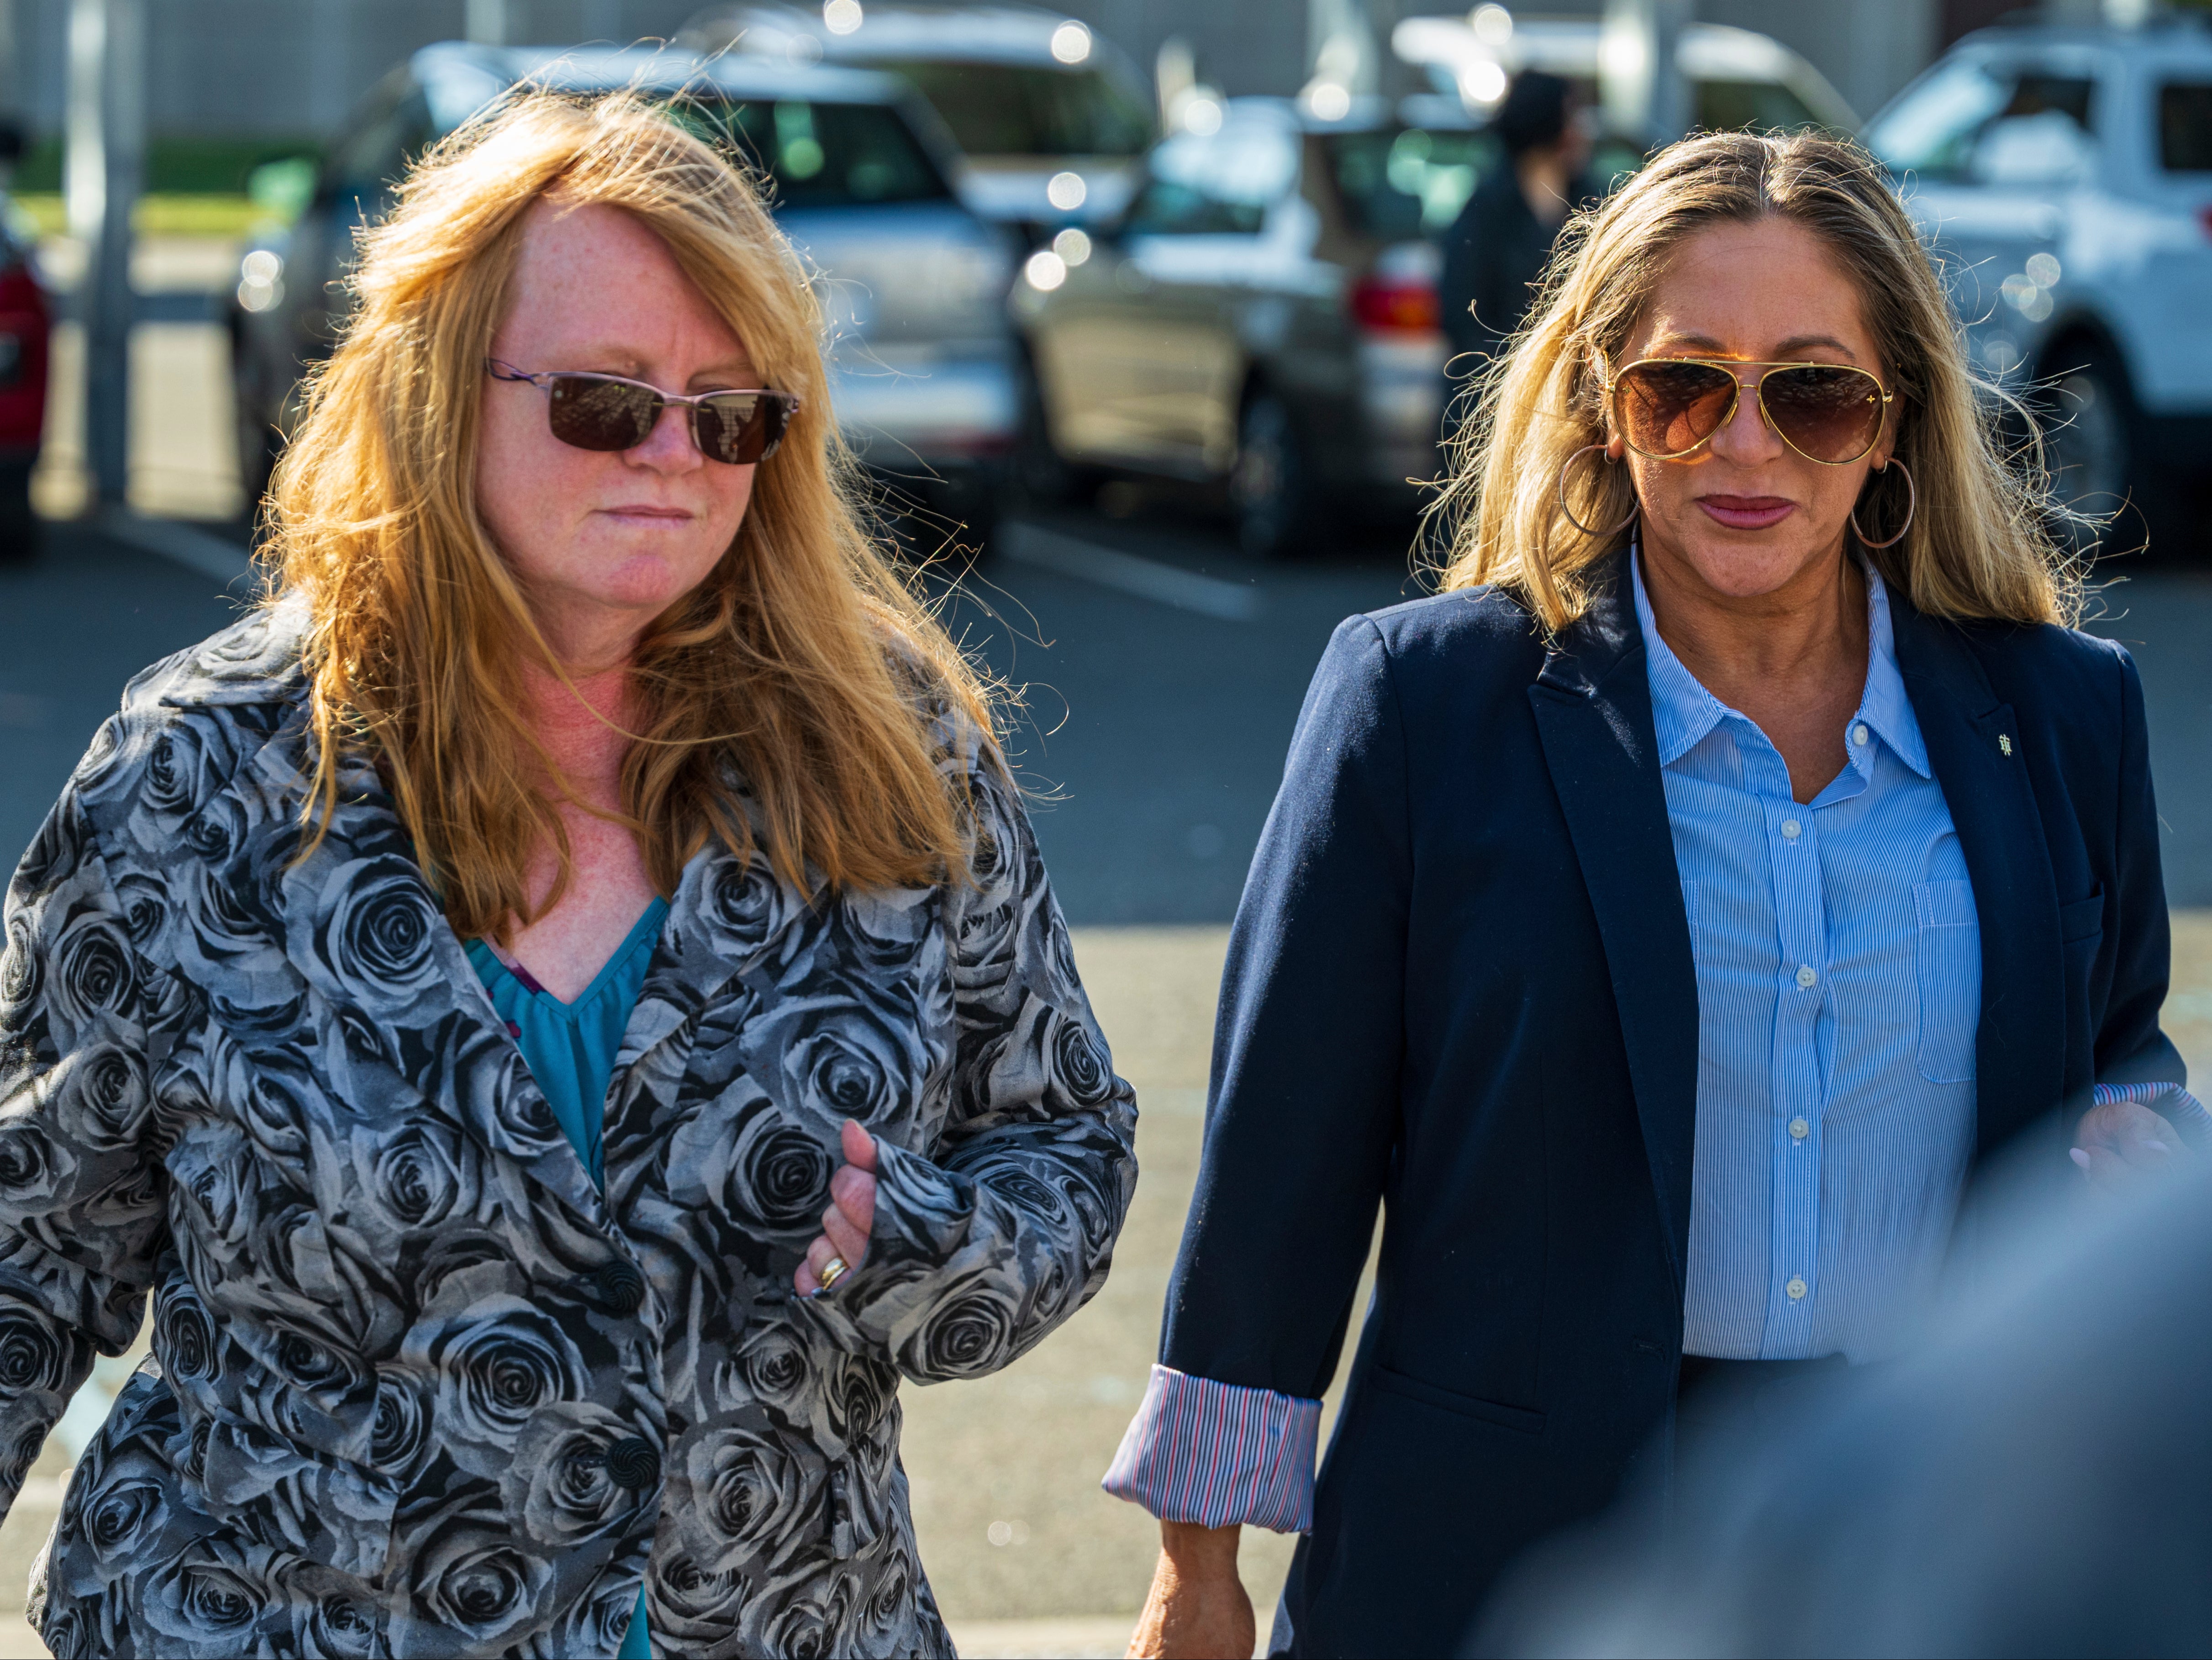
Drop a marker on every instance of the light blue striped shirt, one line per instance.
(1840, 976)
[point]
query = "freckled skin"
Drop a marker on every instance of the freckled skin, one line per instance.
(602, 542)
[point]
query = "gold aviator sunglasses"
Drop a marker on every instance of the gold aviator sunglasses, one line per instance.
(1668, 407)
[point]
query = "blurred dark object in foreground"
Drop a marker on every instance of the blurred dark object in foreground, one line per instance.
(2037, 1480)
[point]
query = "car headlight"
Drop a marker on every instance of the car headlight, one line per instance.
(260, 280)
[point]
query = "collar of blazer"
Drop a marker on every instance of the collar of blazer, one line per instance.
(1988, 776)
(1592, 700)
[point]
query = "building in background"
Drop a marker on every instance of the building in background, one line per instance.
(286, 69)
(280, 70)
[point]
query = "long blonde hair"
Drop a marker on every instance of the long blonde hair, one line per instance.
(1977, 546)
(786, 701)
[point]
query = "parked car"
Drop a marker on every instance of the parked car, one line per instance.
(1738, 78)
(2066, 175)
(26, 327)
(921, 363)
(1263, 319)
(1050, 119)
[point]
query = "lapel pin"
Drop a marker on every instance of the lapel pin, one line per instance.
(2004, 743)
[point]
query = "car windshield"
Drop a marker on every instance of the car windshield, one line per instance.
(1017, 109)
(821, 156)
(2184, 126)
(1992, 121)
(1396, 185)
(1216, 184)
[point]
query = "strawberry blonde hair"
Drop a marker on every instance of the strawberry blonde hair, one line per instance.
(1977, 546)
(789, 702)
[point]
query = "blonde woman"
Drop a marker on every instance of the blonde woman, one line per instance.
(1662, 924)
(561, 1010)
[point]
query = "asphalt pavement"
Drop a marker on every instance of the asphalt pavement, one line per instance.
(74, 626)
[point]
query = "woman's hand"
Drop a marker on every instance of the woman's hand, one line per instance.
(851, 1214)
(2121, 1143)
(1198, 1608)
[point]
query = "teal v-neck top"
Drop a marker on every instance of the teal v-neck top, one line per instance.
(570, 1049)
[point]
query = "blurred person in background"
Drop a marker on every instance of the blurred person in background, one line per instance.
(1660, 925)
(561, 1008)
(2036, 1480)
(1497, 249)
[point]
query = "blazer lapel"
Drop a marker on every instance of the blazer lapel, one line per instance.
(1975, 751)
(401, 1002)
(1593, 708)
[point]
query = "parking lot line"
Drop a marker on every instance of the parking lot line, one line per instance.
(1128, 573)
(184, 544)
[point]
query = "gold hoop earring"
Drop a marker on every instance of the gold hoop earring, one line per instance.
(1911, 503)
(1634, 505)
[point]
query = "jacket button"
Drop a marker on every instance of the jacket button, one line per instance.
(633, 1464)
(616, 1288)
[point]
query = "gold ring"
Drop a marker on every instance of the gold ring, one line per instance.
(831, 1272)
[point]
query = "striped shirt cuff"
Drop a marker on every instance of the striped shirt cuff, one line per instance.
(1220, 1455)
(2172, 1102)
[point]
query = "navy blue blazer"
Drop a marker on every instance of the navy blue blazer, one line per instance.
(1460, 984)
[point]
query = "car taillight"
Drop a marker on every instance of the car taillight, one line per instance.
(19, 290)
(1396, 305)
(2204, 218)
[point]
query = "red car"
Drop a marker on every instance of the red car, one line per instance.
(26, 324)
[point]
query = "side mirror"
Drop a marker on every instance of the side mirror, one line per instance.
(12, 140)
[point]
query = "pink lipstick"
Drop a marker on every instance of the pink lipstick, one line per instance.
(1747, 512)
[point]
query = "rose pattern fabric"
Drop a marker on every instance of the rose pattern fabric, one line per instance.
(417, 1387)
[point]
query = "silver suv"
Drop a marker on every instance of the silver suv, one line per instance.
(2066, 176)
(1264, 319)
(1050, 118)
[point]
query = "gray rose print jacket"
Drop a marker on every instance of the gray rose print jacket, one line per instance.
(416, 1388)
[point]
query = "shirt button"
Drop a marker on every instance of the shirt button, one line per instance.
(1791, 830)
(1859, 733)
(1799, 1130)
(1796, 1289)
(633, 1465)
(1805, 977)
(617, 1288)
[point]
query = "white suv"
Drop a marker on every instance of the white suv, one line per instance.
(2066, 176)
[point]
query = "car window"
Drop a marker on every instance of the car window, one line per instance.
(393, 129)
(1398, 184)
(1994, 122)
(1755, 105)
(1220, 184)
(821, 154)
(1014, 109)
(2184, 126)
